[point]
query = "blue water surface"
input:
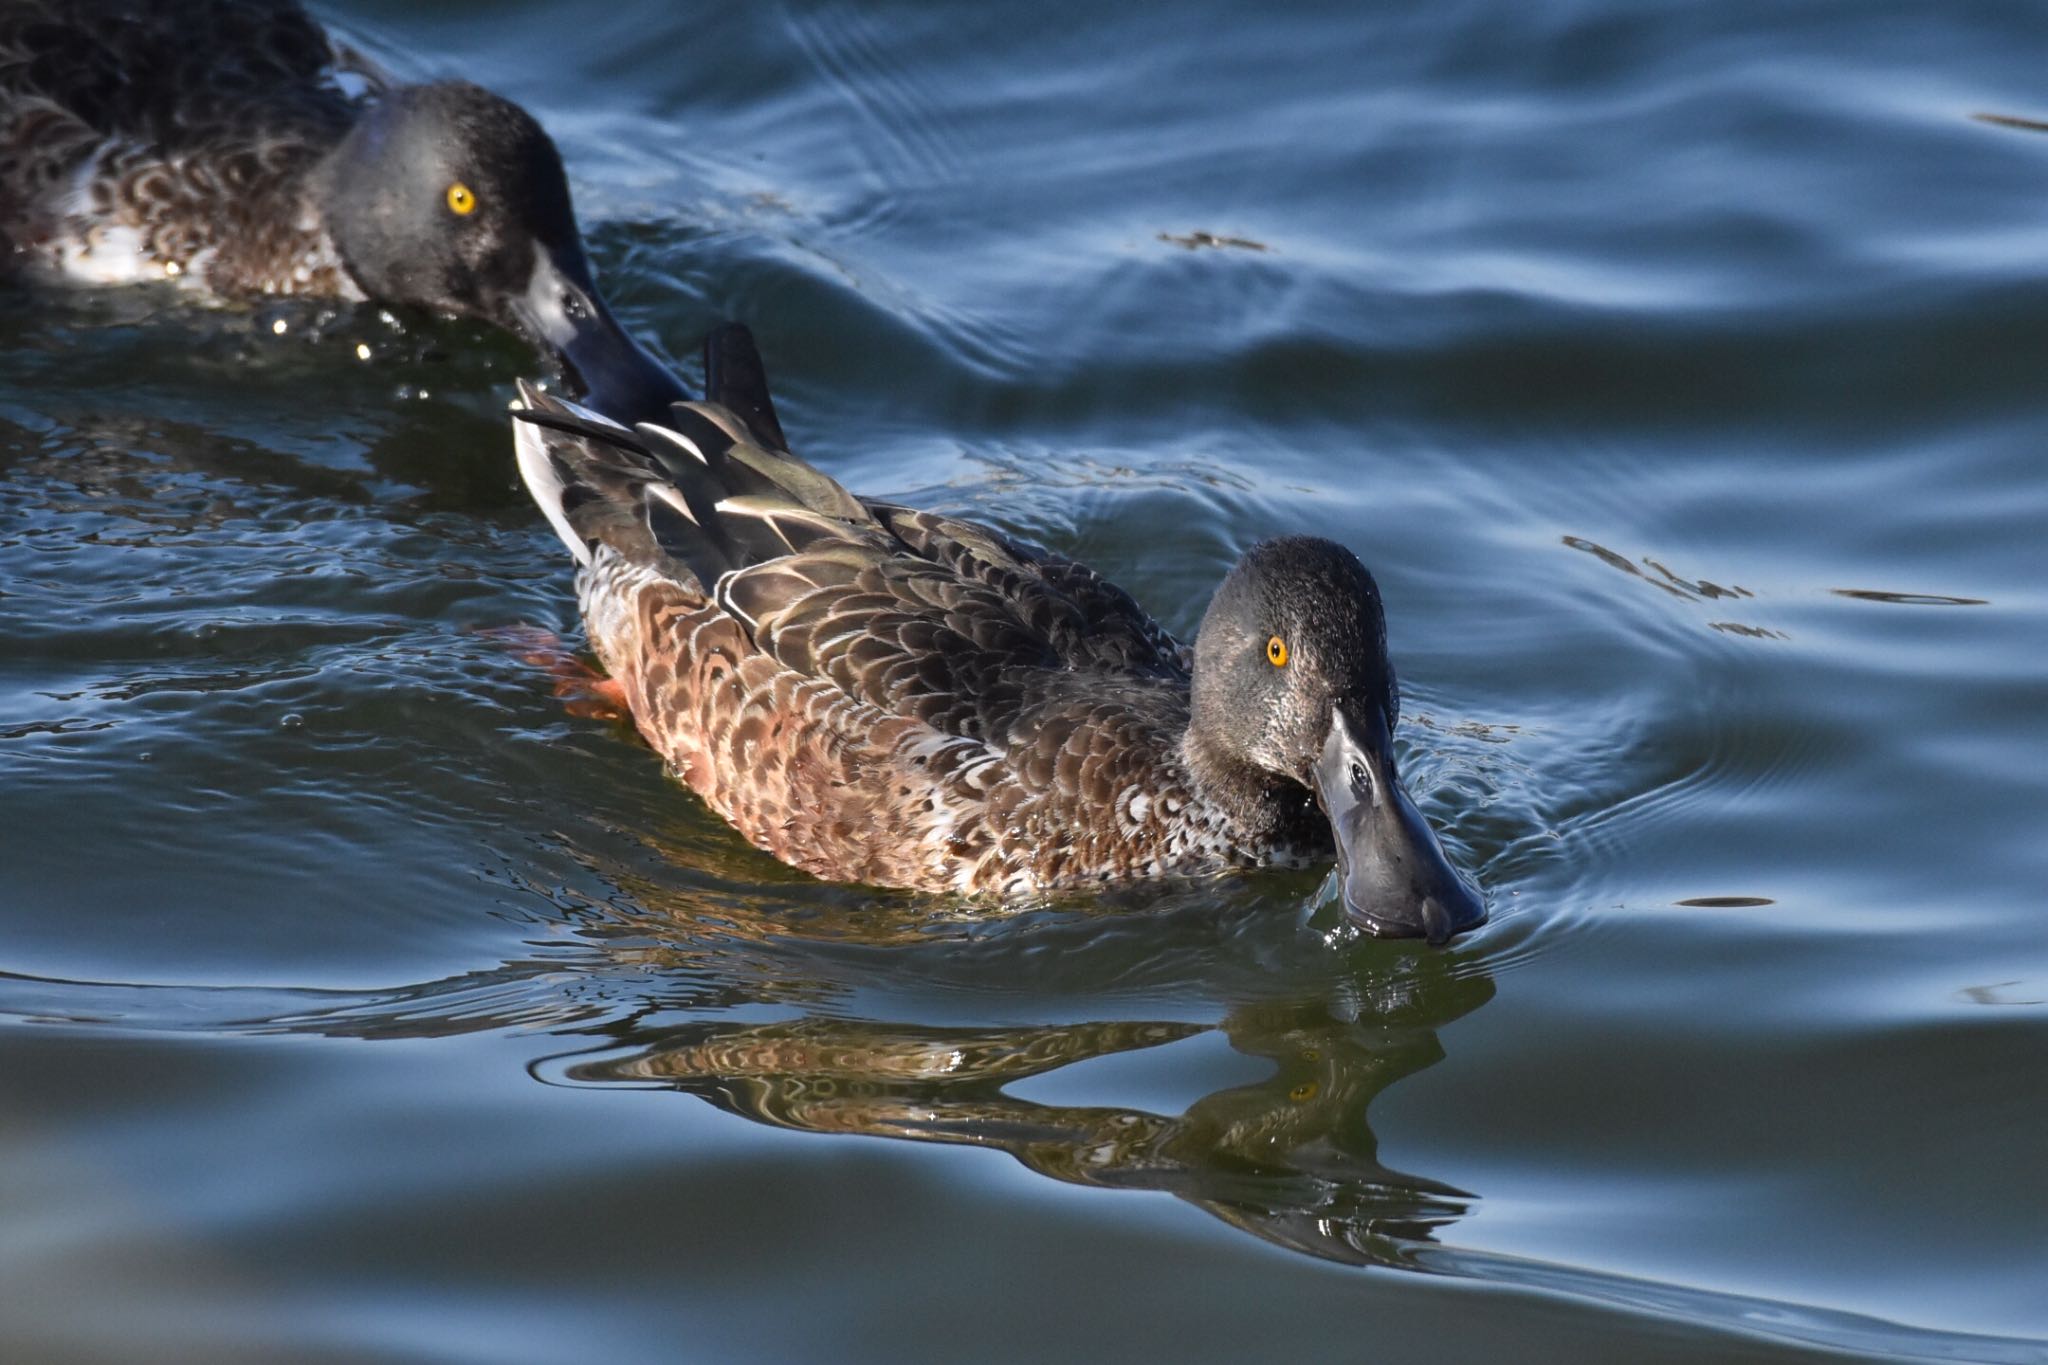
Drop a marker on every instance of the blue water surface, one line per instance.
(1677, 368)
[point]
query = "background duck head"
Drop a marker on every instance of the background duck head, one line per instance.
(452, 198)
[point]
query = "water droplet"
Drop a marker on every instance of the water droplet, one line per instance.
(292, 720)
(362, 350)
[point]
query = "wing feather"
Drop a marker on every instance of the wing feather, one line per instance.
(935, 618)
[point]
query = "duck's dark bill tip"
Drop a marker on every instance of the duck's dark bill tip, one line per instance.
(1435, 924)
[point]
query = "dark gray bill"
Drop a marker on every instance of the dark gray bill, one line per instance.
(562, 312)
(1391, 871)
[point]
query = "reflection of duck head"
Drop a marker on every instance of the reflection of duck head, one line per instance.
(1290, 1158)
(1307, 1124)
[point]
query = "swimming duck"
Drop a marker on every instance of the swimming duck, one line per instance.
(213, 143)
(877, 694)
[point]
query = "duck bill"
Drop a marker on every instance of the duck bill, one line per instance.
(562, 313)
(1392, 872)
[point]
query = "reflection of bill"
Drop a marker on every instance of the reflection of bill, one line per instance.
(1290, 1158)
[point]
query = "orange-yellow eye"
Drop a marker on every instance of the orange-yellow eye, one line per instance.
(461, 199)
(1276, 652)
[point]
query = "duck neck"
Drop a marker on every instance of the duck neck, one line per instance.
(1265, 809)
(321, 202)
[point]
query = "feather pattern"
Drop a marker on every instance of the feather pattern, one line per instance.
(105, 180)
(873, 693)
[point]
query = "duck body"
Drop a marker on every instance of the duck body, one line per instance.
(1081, 787)
(878, 694)
(908, 700)
(232, 148)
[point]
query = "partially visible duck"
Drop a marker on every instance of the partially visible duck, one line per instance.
(212, 143)
(883, 695)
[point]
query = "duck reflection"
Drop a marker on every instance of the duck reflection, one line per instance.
(1290, 1158)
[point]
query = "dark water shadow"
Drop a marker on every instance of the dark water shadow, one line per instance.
(1910, 599)
(1656, 574)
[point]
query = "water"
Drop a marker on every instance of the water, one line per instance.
(1676, 368)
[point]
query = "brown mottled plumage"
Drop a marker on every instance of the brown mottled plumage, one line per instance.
(884, 695)
(878, 694)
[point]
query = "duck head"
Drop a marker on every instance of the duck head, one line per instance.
(1293, 690)
(452, 198)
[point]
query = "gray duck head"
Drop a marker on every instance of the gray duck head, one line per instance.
(450, 197)
(1292, 685)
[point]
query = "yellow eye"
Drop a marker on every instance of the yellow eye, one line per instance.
(461, 199)
(1276, 652)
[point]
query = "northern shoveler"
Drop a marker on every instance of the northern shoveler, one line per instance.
(883, 695)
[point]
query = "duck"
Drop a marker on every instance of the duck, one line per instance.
(233, 148)
(878, 694)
